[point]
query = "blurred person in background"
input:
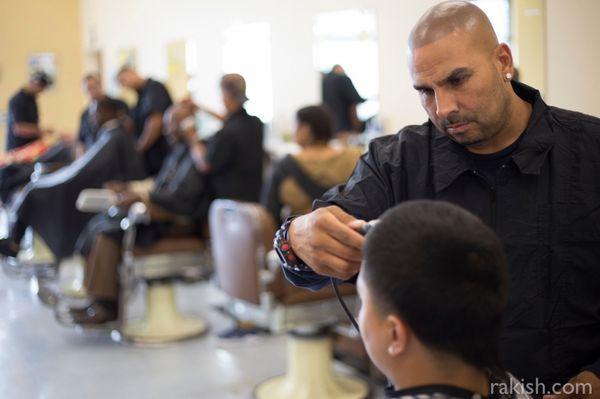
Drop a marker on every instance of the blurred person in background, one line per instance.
(299, 179)
(153, 101)
(88, 130)
(340, 95)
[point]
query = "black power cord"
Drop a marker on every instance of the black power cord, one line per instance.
(334, 283)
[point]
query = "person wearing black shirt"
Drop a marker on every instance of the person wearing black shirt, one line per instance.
(178, 199)
(147, 115)
(340, 95)
(233, 157)
(88, 130)
(23, 118)
(541, 197)
(433, 288)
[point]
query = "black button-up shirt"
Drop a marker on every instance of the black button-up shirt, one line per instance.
(544, 204)
(235, 155)
(152, 98)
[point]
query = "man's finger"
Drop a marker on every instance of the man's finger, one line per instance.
(340, 214)
(333, 266)
(345, 235)
(341, 250)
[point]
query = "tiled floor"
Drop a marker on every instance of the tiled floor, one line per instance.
(43, 360)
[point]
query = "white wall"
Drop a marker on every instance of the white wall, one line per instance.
(573, 52)
(148, 25)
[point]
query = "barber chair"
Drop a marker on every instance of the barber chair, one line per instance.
(35, 262)
(249, 273)
(159, 267)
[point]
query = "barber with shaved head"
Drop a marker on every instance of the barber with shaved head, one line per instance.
(492, 146)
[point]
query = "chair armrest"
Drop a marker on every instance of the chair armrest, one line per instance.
(95, 200)
(138, 214)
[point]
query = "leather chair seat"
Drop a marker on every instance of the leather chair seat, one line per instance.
(171, 245)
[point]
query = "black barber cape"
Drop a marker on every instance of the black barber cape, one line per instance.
(22, 108)
(48, 205)
(152, 98)
(544, 204)
(179, 188)
(235, 154)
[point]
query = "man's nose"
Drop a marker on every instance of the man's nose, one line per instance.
(445, 104)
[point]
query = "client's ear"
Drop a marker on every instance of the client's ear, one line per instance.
(399, 335)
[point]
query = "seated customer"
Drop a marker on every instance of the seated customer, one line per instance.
(48, 204)
(88, 130)
(178, 200)
(299, 179)
(433, 289)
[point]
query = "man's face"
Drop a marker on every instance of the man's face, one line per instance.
(37, 88)
(93, 89)
(127, 79)
(372, 327)
(460, 86)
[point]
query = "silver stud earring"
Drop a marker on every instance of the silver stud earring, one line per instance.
(508, 76)
(391, 350)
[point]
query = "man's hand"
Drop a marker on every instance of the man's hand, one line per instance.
(127, 198)
(328, 241)
(585, 385)
(116, 186)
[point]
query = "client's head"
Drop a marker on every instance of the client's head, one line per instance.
(106, 110)
(313, 126)
(176, 119)
(433, 289)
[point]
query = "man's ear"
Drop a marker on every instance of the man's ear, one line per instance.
(504, 58)
(399, 335)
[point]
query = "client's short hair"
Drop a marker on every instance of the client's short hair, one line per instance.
(443, 272)
(107, 104)
(319, 119)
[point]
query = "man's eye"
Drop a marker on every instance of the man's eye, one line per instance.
(426, 92)
(456, 81)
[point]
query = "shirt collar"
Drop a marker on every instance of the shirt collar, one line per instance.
(431, 391)
(450, 160)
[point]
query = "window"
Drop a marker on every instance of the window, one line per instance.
(247, 51)
(349, 38)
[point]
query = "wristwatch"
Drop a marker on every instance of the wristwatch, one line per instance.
(284, 250)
